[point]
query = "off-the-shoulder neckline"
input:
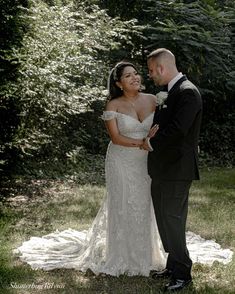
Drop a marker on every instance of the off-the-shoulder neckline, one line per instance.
(131, 115)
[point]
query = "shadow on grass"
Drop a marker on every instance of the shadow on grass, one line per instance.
(72, 281)
(217, 177)
(131, 285)
(11, 276)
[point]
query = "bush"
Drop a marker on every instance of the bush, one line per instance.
(64, 64)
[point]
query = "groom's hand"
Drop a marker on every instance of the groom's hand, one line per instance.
(152, 132)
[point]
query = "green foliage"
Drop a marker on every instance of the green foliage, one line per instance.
(55, 59)
(201, 36)
(64, 64)
(12, 29)
(125, 9)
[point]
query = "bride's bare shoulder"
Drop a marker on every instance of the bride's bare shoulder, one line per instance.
(112, 105)
(147, 96)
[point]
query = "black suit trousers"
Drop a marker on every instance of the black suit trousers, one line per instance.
(170, 201)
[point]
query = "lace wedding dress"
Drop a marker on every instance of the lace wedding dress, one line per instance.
(123, 238)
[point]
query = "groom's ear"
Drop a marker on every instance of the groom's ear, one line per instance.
(161, 69)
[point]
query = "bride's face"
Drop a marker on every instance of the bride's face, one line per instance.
(130, 79)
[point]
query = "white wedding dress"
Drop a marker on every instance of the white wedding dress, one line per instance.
(123, 238)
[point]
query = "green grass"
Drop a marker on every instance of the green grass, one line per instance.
(38, 207)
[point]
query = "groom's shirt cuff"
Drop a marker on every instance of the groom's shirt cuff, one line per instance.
(148, 142)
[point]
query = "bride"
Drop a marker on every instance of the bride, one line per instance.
(123, 238)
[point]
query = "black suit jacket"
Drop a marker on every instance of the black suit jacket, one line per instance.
(175, 146)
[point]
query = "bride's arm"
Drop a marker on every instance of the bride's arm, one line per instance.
(119, 139)
(113, 130)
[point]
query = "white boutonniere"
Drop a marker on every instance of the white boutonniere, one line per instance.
(161, 99)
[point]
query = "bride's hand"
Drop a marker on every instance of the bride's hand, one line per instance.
(153, 131)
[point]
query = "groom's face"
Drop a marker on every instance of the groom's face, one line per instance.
(155, 71)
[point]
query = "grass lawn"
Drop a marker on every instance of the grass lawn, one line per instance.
(38, 207)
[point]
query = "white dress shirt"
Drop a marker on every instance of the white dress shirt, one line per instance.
(174, 80)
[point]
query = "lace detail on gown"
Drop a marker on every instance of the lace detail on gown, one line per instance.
(108, 115)
(123, 237)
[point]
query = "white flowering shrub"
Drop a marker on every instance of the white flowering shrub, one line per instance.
(64, 67)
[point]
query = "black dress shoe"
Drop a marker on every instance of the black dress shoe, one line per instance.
(166, 273)
(177, 285)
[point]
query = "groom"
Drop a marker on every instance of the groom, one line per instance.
(173, 162)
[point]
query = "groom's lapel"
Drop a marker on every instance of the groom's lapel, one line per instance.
(176, 85)
(171, 97)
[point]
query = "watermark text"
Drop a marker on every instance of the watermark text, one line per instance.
(37, 286)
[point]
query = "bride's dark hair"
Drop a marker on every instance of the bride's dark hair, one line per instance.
(115, 75)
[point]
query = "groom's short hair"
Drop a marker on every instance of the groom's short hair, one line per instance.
(162, 55)
(160, 52)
